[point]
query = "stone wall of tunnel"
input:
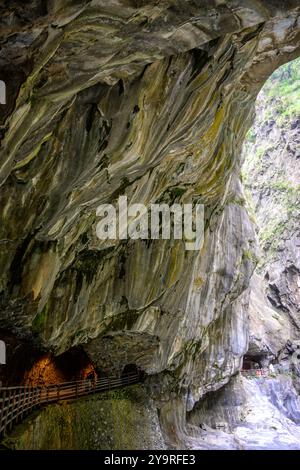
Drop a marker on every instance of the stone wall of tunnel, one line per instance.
(28, 365)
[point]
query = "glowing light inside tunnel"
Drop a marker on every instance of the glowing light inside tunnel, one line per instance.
(44, 372)
(29, 366)
(50, 370)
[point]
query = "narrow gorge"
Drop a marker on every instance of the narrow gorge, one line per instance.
(164, 102)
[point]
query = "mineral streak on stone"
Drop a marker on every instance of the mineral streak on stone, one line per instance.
(151, 100)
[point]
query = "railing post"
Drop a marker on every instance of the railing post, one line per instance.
(32, 397)
(7, 411)
(38, 398)
(3, 393)
(13, 404)
(23, 402)
(30, 400)
(27, 399)
(18, 405)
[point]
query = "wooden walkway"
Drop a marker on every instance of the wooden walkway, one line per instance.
(18, 402)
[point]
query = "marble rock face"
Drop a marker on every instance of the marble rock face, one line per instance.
(151, 100)
(248, 414)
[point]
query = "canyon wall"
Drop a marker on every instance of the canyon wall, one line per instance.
(151, 100)
(272, 178)
(254, 411)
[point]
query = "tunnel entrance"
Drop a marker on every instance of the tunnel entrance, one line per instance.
(27, 365)
(131, 370)
(250, 363)
(70, 366)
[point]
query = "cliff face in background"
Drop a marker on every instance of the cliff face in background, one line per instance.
(248, 413)
(271, 175)
(151, 100)
(252, 412)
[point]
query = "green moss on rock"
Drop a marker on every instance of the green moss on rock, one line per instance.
(120, 419)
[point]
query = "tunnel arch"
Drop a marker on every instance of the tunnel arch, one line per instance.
(26, 364)
(129, 369)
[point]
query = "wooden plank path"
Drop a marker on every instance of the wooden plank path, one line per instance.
(18, 402)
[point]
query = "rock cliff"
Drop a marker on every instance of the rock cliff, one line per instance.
(248, 414)
(151, 100)
(272, 176)
(254, 412)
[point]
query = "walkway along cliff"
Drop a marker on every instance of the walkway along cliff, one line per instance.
(17, 402)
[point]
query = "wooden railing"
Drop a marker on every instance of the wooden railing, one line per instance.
(17, 402)
(256, 372)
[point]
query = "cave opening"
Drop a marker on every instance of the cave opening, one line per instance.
(131, 370)
(250, 363)
(28, 365)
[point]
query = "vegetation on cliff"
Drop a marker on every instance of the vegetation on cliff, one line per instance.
(270, 172)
